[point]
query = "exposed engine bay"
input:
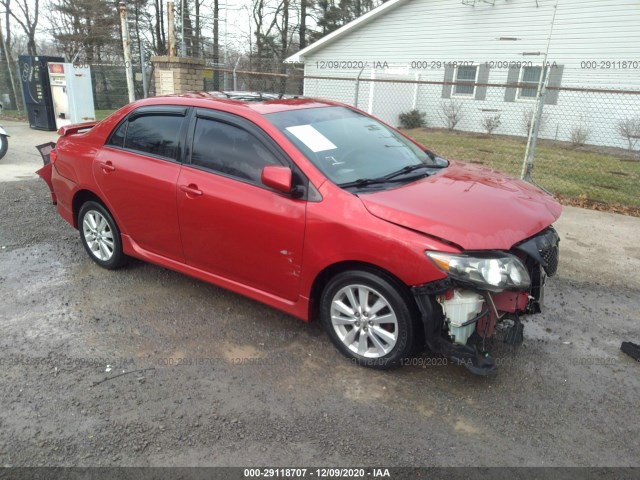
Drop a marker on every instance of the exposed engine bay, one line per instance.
(457, 310)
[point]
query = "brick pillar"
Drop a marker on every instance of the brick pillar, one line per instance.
(177, 74)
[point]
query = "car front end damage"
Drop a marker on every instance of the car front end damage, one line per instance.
(481, 290)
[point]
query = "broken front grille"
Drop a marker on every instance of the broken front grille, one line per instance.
(550, 257)
(543, 248)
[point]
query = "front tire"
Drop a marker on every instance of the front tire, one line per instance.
(4, 145)
(369, 318)
(100, 236)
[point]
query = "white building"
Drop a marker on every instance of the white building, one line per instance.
(592, 44)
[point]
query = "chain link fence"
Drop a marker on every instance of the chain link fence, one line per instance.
(588, 143)
(109, 82)
(290, 83)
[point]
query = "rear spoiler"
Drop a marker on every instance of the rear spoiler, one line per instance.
(75, 128)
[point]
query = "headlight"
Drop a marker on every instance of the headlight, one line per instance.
(492, 271)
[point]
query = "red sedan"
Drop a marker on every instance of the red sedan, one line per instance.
(317, 209)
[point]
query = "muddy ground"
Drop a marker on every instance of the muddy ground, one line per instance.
(217, 379)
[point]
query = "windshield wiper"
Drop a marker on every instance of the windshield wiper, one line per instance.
(363, 182)
(438, 161)
(407, 169)
(391, 177)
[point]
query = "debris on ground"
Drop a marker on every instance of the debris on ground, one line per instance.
(631, 349)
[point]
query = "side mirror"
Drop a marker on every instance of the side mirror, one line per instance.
(278, 178)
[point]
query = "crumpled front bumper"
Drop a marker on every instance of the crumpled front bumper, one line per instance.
(540, 254)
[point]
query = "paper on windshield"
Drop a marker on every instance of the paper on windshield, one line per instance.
(312, 138)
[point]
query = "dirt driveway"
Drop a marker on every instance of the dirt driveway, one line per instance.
(222, 380)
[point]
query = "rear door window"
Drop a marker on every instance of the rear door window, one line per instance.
(153, 130)
(155, 134)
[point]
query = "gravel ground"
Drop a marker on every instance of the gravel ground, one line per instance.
(212, 378)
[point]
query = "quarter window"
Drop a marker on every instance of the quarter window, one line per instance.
(230, 150)
(530, 76)
(117, 137)
(154, 134)
(465, 79)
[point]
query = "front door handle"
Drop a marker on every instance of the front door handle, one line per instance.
(191, 189)
(107, 166)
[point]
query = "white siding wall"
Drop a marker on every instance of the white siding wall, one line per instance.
(449, 31)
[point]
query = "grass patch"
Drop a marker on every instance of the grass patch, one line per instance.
(102, 114)
(22, 116)
(586, 172)
(13, 115)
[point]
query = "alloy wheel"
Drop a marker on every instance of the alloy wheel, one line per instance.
(98, 235)
(364, 321)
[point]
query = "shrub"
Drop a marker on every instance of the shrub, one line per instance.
(491, 123)
(579, 135)
(413, 119)
(452, 113)
(629, 129)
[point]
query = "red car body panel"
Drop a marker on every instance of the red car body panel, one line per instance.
(142, 190)
(45, 174)
(248, 234)
(474, 207)
(270, 246)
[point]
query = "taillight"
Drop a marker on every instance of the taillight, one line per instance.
(53, 156)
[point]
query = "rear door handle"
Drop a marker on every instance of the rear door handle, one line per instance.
(191, 189)
(107, 166)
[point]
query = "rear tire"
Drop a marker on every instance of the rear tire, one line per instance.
(369, 318)
(4, 145)
(100, 236)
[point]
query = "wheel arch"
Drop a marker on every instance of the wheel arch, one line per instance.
(330, 271)
(79, 198)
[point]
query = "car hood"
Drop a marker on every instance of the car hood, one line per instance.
(473, 207)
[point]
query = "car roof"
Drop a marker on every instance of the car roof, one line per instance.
(260, 102)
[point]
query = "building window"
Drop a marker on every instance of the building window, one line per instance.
(529, 76)
(465, 78)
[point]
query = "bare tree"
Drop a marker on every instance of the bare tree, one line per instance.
(286, 38)
(216, 43)
(302, 30)
(188, 28)
(451, 112)
(629, 129)
(160, 39)
(265, 45)
(197, 34)
(579, 135)
(490, 123)
(28, 21)
(5, 45)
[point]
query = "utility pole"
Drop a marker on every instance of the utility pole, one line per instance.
(10, 68)
(216, 45)
(143, 70)
(226, 48)
(183, 52)
(171, 27)
(536, 117)
(126, 46)
(145, 86)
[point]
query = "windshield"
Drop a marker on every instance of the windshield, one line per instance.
(351, 148)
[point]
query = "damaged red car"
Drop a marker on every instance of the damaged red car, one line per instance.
(317, 209)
